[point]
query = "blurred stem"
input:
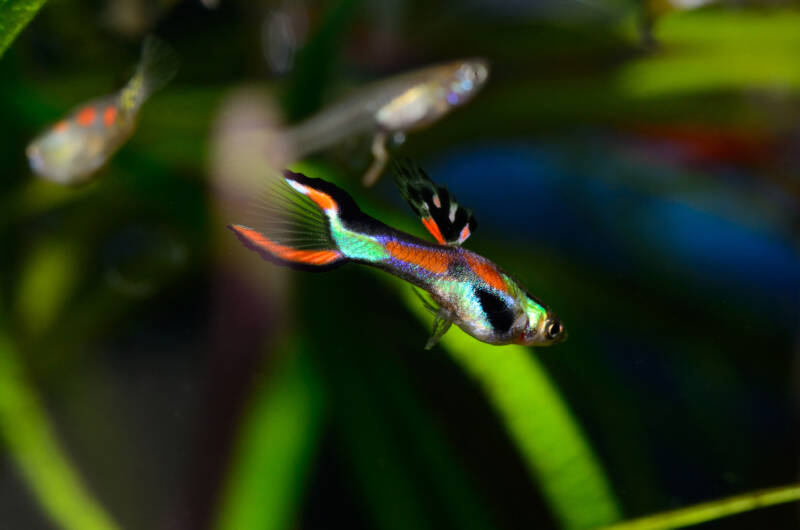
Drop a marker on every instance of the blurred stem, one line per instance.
(540, 423)
(35, 450)
(709, 511)
(14, 16)
(275, 446)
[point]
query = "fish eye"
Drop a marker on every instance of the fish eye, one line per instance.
(468, 74)
(553, 329)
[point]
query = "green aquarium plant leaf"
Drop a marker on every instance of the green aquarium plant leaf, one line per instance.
(33, 447)
(708, 511)
(707, 53)
(14, 16)
(46, 282)
(539, 422)
(408, 474)
(276, 444)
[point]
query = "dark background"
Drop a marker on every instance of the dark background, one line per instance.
(647, 192)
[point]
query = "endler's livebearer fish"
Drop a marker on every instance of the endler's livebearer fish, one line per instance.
(398, 104)
(70, 151)
(311, 224)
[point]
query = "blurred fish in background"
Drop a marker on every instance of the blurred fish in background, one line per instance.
(134, 18)
(386, 108)
(72, 150)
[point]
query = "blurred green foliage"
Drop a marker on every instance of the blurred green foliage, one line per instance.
(348, 407)
(746, 51)
(275, 446)
(14, 16)
(709, 511)
(552, 444)
(38, 456)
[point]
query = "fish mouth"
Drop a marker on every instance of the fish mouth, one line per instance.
(35, 158)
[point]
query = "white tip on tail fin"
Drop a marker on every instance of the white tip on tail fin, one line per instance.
(289, 223)
(157, 67)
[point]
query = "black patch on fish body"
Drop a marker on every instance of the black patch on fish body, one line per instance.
(497, 311)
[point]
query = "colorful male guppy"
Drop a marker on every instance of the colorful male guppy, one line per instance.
(70, 151)
(311, 224)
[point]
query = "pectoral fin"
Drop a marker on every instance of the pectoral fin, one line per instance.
(441, 323)
(379, 163)
(440, 327)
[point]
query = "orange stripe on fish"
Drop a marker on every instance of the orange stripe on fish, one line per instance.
(433, 228)
(307, 257)
(431, 260)
(86, 116)
(109, 116)
(486, 271)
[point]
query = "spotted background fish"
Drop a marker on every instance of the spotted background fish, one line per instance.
(72, 150)
(311, 224)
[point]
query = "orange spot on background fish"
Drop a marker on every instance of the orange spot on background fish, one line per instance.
(61, 126)
(486, 271)
(433, 228)
(309, 257)
(431, 260)
(109, 115)
(86, 116)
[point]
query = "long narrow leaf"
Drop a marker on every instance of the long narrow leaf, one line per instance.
(708, 511)
(275, 448)
(14, 16)
(540, 423)
(36, 452)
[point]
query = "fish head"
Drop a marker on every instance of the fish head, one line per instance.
(537, 326)
(467, 79)
(57, 153)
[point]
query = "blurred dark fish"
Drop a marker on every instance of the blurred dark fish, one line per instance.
(311, 224)
(73, 149)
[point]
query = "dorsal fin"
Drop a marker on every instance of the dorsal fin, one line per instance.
(447, 221)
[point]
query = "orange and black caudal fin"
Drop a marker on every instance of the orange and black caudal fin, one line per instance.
(447, 221)
(289, 223)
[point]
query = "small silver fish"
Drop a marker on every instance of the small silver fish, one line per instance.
(73, 149)
(399, 104)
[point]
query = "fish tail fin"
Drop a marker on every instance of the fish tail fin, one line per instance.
(292, 223)
(157, 67)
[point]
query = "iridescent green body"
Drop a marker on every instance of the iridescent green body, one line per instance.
(461, 282)
(468, 289)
